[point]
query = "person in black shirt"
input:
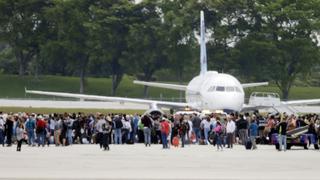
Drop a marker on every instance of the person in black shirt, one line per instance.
(282, 130)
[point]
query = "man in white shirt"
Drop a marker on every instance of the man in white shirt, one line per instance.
(231, 127)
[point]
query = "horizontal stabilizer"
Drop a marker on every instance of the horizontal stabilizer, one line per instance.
(247, 85)
(162, 85)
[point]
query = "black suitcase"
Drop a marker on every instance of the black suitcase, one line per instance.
(248, 145)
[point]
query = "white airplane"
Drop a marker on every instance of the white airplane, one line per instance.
(209, 90)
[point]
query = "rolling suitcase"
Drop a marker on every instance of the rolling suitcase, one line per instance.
(248, 145)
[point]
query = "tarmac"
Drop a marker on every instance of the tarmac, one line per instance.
(140, 162)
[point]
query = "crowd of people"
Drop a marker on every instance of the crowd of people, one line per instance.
(221, 130)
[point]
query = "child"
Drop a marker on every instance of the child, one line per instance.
(19, 133)
(218, 132)
(106, 130)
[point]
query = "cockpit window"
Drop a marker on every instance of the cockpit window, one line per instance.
(229, 89)
(224, 89)
(220, 88)
(211, 89)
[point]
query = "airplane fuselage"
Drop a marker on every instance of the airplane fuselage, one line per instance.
(215, 91)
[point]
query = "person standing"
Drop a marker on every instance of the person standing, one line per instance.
(106, 130)
(165, 130)
(40, 130)
(19, 134)
(196, 121)
(230, 129)
(9, 129)
(282, 131)
(205, 125)
(242, 126)
(253, 132)
(147, 125)
(117, 129)
(57, 130)
(183, 130)
(30, 127)
(101, 122)
(1, 131)
(69, 123)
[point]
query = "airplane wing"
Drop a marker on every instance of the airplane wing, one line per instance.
(302, 102)
(247, 85)
(162, 85)
(109, 98)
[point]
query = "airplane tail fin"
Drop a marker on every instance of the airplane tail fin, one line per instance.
(203, 50)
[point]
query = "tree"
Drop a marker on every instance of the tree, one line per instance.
(287, 30)
(20, 26)
(110, 28)
(148, 41)
(68, 19)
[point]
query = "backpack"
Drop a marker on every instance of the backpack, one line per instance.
(165, 127)
(118, 124)
(30, 125)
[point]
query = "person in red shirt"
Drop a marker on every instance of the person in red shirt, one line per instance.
(40, 130)
(165, 130)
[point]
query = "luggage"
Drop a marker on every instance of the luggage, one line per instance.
(193, 138)
(248, 145)
(175, 141)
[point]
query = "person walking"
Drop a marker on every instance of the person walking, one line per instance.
(218, 133)
(253, 133)
(282, 131)
(20, 136)
(99, 128)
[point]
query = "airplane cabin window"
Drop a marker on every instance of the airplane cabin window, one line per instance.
(238, 89)
(220, 88)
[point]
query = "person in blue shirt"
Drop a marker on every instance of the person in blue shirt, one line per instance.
(253, 133)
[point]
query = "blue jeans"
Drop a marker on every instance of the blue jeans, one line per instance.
(197, 133)
(41, 138)
(69, 136)
(30, 137)
(147, 135)
(1, 136)
(164, 140)
(206, 134)
(219, 141)
(282, 141)
(117, 136)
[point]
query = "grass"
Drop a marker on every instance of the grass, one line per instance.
(12, 86)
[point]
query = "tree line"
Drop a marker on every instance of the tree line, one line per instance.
(255, 40)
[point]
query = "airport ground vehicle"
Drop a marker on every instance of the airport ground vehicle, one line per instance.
(297, 137)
